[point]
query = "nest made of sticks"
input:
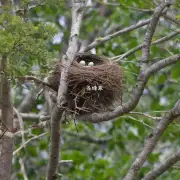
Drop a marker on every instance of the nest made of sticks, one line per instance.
(90, 88)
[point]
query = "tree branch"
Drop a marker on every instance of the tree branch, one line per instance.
(171, 18)
(150, 31)
(24, 144)
(101, 40)
(157, 171)
(34, 117)
(89, 139)
(133, 50)
(152, 141)
(77, 13)
(136, 94)
(28, 101)
(23, 170)
(35, 79)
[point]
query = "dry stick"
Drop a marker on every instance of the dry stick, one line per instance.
(149, 33)
(136, 94)
(133, 50)
(160, 169)
(152, 141)
(100, 40)
(77, 13)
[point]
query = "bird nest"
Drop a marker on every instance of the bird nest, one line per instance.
(94, 83)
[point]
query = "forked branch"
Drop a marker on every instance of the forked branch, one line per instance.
(77, 13)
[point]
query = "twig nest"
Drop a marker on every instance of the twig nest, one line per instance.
(92, 89)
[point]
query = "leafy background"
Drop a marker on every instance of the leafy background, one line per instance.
(99, 151)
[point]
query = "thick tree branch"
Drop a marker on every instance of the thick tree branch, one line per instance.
(101, 40)
(150, 31)
(77, 13)
(152, 141)
(6, 143)
(160, 169)
(136, 94)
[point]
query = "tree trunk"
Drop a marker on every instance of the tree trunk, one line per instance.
(6, 142)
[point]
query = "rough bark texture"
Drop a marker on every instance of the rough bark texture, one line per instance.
(77, 13)
(6, 143)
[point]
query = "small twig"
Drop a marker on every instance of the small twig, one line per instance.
(29, 140)
(21, 123)
(140, 121)
(23, 170)
(171, 18)
(176, 167)
(86, 138)
(39, 93)
(146, 115)
(28, 101)
(62, 162)
(35, 79)
(34, 116)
